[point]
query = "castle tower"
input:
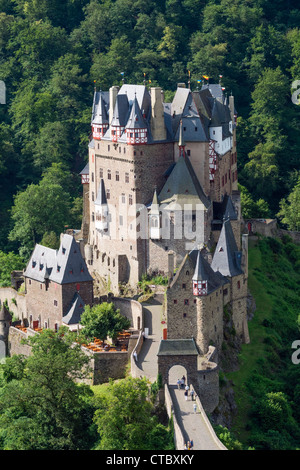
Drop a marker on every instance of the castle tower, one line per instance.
(5, 321)
(100, 119)
(136, 128)
(227, 260)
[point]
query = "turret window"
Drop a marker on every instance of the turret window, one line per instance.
(186, 302)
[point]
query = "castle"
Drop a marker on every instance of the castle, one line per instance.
(160, 195)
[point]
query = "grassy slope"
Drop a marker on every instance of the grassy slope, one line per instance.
(273, 282)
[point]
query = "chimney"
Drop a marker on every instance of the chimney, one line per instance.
(158, 127)
(231, 107)
(113, 92)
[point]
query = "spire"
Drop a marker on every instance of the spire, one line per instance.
(155, 205)
(200, 278)
(227, 258)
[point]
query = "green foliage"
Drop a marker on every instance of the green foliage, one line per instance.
(42, 407)
(227, 438)
(9, 262)
(266, 387)
(289, 212)
(125, 416)
(103, 320)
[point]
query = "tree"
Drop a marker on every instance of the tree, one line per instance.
(42, 407)
(125, 419)
(9, 262)
(289, 212)
(42, 208)
(103, 320)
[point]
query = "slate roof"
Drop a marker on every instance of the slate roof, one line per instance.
(63, 266)
(86, 170)
(183, 187)
(224, 210)
(100, 111)
(205, 272)
(75, 311)
(178, 347)
(121, 110)
(136, 120)
(202, 271)
(100, 106)
(227, 258)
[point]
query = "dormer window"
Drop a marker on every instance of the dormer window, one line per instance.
(63, 251)
(58, 269)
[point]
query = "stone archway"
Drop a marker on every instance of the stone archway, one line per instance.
(181, 352)
(176, 372)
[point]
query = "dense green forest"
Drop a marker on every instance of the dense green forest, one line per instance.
(51, 52)
(266, 386)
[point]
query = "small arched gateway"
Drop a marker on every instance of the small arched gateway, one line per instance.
(179, 352)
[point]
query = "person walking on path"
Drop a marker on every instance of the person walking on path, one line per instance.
(186, 395)
(192, 394)
(179, 383)
(195, 408)
(187, 389)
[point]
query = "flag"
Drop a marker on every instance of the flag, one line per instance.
(206, 77)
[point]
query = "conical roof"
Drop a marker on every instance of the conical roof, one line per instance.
(101, 115)
(183, 187)
(200, 273)
(154, 209)
(227, 258)
(136, 120)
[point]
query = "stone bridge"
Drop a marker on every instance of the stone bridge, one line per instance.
(189, 423)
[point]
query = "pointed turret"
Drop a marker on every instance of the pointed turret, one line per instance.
(227, 259)
(154, 218)
(200, 277)
(136, 128)
(100, 118)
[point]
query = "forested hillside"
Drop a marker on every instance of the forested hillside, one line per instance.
(52, 51)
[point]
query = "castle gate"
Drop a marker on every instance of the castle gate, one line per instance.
(179, 352)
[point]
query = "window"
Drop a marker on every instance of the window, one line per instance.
(108, 147)
(55, 303)
(196, 128)
(183, 286)
(175, 301)
(117, 176)
(123, 198)
(184, 315)
(188, 152)
(238, 284)
(108, 174)
(41, 286)
(101, 172)
(93, 196)
(92, 177)
(130, 199)
(186, 302)
(126, 177)
(121, 220)
(93, 216)
(30, 281)
(108, 194)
